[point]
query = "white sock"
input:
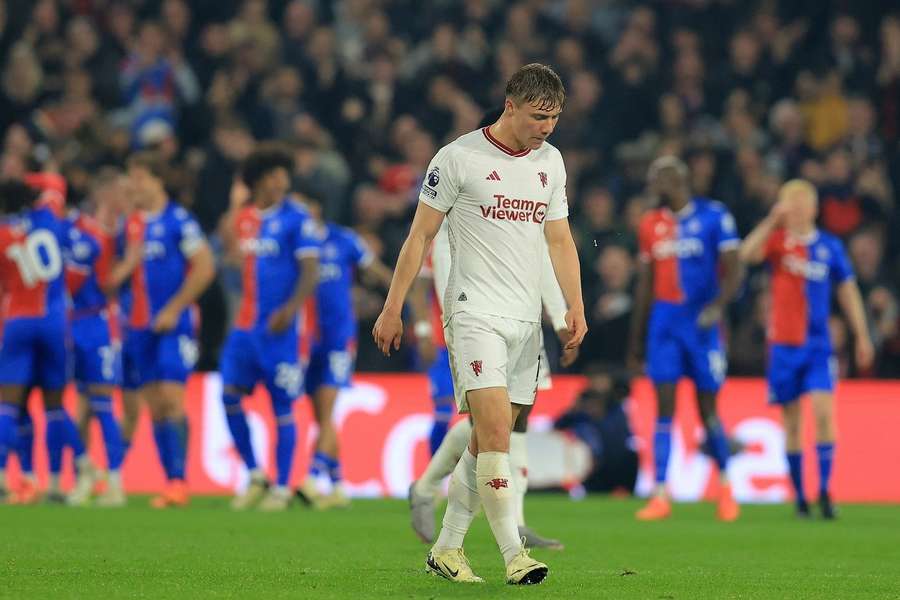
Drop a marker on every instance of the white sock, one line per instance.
(498, 498)
(83, 464)
(462, 504)
(518, 463)
(115, 479)
(446, 457)
(54, 483)
(2, 478)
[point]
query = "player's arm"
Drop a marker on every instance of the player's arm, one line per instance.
(237, 199)
(389, 327)
(753, 249)
(564, 256)
(555, 306)
(305, 287)
(643, 296)
(199, 275)
(420, 311)
(377, 272)
(851, 303)
(731, 271)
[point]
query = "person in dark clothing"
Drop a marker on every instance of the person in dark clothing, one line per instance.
(598, 418)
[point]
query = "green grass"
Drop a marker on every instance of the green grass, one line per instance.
(369, 552)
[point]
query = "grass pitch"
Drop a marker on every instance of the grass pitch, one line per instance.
(369, 551)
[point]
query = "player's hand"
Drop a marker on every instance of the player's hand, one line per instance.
(710, 315)
(387, 331)
(779, 212)
(577, 326)
(166, 319)
(569, 356)
(281, 319)
(865, 352)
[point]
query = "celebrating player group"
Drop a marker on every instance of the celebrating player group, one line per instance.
(104, 297)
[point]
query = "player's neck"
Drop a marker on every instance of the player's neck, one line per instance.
(502, 132)
(803, 233)
(265, 205)
(157, 206)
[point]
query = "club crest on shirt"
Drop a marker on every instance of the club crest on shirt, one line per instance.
(476, 367)
(543, 177)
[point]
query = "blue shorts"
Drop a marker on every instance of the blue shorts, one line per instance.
(34, 351)
(330, 365)
(440, 379)
(251, 357)
(98, 357)
(796, 370)
(149, 357)
(677, 347)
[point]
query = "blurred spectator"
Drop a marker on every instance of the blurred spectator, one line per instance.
(599, 420)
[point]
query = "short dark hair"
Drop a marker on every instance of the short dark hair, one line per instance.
(149, 160)
(16, 195)
(264, 159)
(538, 85)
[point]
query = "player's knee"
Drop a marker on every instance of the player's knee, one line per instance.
(493, 437)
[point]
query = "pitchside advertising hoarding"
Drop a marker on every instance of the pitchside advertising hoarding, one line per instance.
(384, 422)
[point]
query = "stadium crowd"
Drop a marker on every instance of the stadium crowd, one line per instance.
(365, 91)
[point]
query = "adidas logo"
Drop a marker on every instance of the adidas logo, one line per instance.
(493, 176)
(462, 297)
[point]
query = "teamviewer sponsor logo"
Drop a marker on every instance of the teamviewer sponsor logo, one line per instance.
(515, 209)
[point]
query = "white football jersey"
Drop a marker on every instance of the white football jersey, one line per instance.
(496, 201)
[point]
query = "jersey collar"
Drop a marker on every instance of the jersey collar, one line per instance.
(501, 146)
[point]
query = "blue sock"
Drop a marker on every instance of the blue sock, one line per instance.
(825, 453)
(176, 438)
(719, 445)
(56, 438)
(160, 433)
(284, 448)
(795, 467)
(442, 415)
(240, 431)
(334, 471)
(25, 443)
(9, 418)
(73, 438)
(319, 465)
(662, 445)
(112, 435)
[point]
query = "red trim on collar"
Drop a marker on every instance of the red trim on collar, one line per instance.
(501, 146)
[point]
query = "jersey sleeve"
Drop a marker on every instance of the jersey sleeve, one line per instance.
(726, 231)
(645, 239)
(308, 239)
(190, 237)
(443, 180)
(80, 258)
(841, 267)
(559, 203)
(359, 250)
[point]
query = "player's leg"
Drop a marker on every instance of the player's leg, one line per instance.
(239, 368)
(175, 355)
(441, 387)
(326, 460)
(17, 361)
(707, 368)
(819, 382)
(665, 365)
(784, 375)
(283, 378)
(27, 492)
(134, 347)
(445, 457)
(101, 403)
(518, 459)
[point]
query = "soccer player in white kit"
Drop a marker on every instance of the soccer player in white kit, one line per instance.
(501, 188)
(423, 491)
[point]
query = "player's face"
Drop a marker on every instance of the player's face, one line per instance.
(531, 124)
(801, 213)
(273, 186)
(664, 184)
(145, 188)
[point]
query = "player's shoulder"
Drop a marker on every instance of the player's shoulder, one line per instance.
(710, 206)
(178, 213)
(831, 241)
